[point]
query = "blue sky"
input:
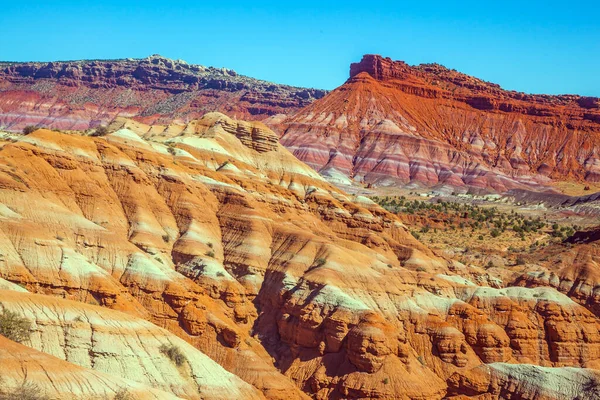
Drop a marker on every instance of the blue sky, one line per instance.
(531, 46)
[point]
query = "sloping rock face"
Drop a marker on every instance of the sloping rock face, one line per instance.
(83, 94)
(112, 344)
(211, 237)
(54, 378)
(509, 381)
(572, 267)
(395, 124)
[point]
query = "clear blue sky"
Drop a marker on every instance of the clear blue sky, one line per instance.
(532, 46)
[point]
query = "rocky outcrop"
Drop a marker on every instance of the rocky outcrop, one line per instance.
(116, 344)
(393, 124)
(44, 375)
(83, 94)
(510, 381)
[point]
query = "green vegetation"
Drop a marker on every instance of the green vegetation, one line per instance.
(319, 262)
(27, 391)
(562, 231)
(100, 131)
(171, 149)
(14, 327)
(174, 354)
(454, 215)
(123, 394)
(29, 129)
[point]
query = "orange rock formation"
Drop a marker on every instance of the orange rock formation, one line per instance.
(211, 237)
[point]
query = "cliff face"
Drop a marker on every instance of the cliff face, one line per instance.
(211, 237)
(393, 124)
(82, 94)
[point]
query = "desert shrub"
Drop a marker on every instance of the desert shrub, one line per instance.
(100, 131)
(166, 238)
(14, 327)
(569, 231)
(591, 388)
(210, 254)
(174, 354)
(319, 262)
(495, 233)
(386, 381)
(123, 394)
(29, 129)
(421, 269)
(27, 391)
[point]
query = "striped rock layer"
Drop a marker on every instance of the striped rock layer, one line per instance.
(393, 124)
(212, 238)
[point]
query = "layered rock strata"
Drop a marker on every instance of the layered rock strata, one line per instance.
(426, 125)
(211, 237)
(88, 93)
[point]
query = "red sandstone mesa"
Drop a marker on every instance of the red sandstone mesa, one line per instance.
(83, 94)
(394, 124)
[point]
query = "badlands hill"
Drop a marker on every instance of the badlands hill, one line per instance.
(210, 238)
(390, 124)
(396, 124)
(83, 94)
